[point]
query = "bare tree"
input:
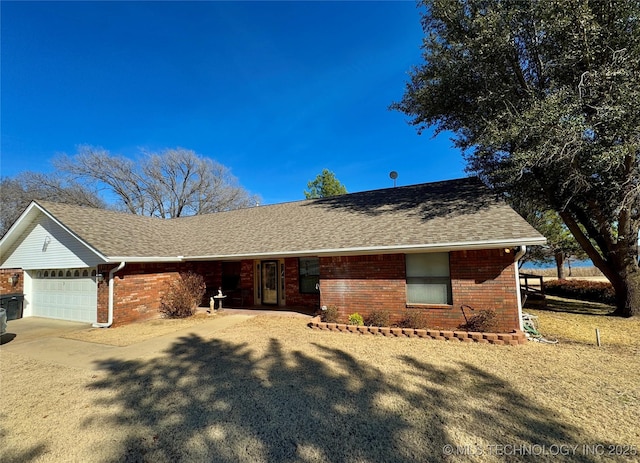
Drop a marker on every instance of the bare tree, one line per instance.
(172, 183)
(18, 192)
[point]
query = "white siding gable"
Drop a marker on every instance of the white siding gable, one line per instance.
(44, 244)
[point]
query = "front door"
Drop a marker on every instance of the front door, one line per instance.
(270, 282)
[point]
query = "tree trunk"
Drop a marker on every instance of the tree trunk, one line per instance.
(627, 289)
(620, 266)
(559, 256)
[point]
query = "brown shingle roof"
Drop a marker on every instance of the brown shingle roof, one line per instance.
(113, 233)
(455, 213)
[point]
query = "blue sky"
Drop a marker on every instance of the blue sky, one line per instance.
(276, 91)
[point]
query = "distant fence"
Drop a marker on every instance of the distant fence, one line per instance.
(532, 288)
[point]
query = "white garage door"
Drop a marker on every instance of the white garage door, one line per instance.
(67, 294)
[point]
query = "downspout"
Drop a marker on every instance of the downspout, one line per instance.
(521, 252)
(112, 272)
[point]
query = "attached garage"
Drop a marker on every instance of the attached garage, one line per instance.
(60, 268)
(67, 294)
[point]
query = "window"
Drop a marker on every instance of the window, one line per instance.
(428, 280)
(230, 276)
(309, 275)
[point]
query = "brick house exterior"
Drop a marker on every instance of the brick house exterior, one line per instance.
(11, 281)
(480, 279)
(360, 253)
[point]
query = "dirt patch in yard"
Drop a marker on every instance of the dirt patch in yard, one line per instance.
(137, 332)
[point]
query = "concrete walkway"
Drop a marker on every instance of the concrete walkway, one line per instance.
(39, 338)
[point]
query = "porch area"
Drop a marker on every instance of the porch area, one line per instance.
(298, 312)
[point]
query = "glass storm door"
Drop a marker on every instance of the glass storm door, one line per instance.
(270, 282)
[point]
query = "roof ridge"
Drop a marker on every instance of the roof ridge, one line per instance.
(470, 179)
(420, 216)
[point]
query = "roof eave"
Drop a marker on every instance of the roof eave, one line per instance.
(139, 259)
(401, 249)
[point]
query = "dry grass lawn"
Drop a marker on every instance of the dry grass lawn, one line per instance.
(137, 332)
(272, 390)
(580, 329)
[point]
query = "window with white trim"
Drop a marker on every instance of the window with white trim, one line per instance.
(428, 278)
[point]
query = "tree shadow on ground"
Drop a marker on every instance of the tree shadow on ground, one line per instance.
(490, 407)
(6, 338)
(211, 400)
(9, 454)
(575, 306)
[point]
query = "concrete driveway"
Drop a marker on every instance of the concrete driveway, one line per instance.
(29, 329)
(40, 338)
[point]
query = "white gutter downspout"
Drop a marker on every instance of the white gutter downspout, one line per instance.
(110, 317)
(521, 252)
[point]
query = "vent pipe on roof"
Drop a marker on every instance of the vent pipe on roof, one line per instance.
(112, 272)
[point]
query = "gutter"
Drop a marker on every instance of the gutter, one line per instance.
(405, 249)
(521, 252)
(112, 272)
(134, 259)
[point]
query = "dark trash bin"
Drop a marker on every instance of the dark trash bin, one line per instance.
(13, 304)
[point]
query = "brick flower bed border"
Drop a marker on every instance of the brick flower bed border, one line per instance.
(509, 339)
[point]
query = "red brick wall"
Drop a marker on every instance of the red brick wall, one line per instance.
(210, 271)
(139, 288)
(293, 296)
(11, 288)
(246, 281)
(138, 295)
(137, 291)
(363, 283)
(483, 279)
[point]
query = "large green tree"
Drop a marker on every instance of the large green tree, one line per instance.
(561, 246)
(325, 185)
(544, 100)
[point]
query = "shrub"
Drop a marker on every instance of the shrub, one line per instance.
(377, 318)
(183, 296)
(594, 291)
(414, 319)
(483, 320)
(356, 319)
(330, 314)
